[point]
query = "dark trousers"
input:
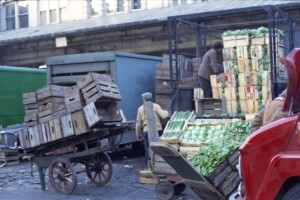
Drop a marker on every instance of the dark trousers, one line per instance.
(206, 87)
(146, 145)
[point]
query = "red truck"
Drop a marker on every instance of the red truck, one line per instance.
(270, 158)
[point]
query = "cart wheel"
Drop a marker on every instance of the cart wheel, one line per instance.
(179, 188)
(99, 169)
(164, 190)
(62, 176)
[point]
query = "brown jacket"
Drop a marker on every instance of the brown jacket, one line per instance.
(208, 65)
(271, 112)
(141, 122)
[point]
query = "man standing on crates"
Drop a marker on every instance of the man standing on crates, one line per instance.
(141, 123)
(210, 66)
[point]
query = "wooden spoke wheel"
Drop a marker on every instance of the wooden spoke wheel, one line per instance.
(62, 176)
(164, 190)
(99, 169)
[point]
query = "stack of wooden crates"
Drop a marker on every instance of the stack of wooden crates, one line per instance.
(54, 112)
(187, 75)
(246, 79)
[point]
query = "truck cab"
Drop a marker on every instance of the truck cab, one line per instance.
(270, 157)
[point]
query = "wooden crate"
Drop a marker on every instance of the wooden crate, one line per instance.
(96, 113)
(228, 54)
(50, 91)
(9, 157)
(244, 65)
(34, 136)
(256, 52)
(258, 41)
(245, 79)
(73, 99)
(67, 125)
(209, 106)
(31, 120)
(221, 177)
(266, 91)
(229, 41)
(242, 52)
(242, 40)
(256, 64)
(45, 131)
(101, 90)
(232, 106)
(55, 129)
(24, 138)
(90, 77)
(243, 106)
(228, 67)
(252, 106)
(229, 80)
(79, 122)
(248, 92)
(215, 94)
(230, 93)
(47, 116)
(29, 98)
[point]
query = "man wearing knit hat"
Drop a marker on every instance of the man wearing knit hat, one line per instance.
(141, 123)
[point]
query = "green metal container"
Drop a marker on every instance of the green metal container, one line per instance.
(15, 81)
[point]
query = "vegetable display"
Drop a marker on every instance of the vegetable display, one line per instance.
(222, 140)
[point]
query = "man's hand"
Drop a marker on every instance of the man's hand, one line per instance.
(219, 77)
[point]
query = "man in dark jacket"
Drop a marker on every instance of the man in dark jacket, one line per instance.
(210, 66)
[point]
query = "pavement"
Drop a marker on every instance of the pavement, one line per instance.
(16, 183)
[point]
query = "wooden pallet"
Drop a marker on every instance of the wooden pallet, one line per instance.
(9, 157)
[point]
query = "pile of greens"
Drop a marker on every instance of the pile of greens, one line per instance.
(222, 141)
(254, 33)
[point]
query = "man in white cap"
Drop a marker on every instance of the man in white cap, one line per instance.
(141, 123)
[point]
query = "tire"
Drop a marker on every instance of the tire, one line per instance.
(293, 193)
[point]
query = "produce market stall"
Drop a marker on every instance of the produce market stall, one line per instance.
(209, 164)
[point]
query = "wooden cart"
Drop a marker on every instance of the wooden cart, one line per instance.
(89, 149)
(217, 186)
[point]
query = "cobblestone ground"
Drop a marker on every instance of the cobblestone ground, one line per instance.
(16, 183)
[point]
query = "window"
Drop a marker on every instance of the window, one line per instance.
(10, 16)
(43, 17)
(95, 7)
(52, 11)
(154, 4)
(110, 6)
(179, 2)
(120, 5)
(23, 14)
(53, 16)
(135, 4)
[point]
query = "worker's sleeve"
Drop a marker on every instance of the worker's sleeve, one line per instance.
(257, 121)
(163, 114)
(214, 63)
(139, 124)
